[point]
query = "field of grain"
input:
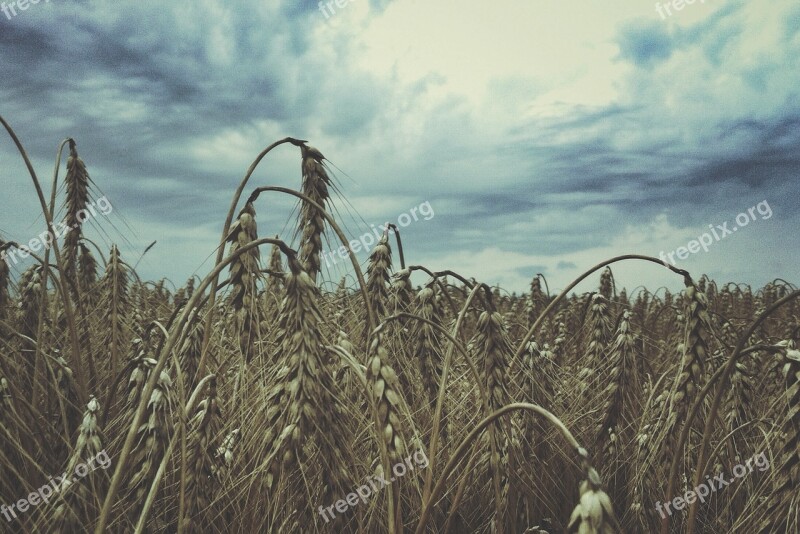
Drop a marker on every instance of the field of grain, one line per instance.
(251, 400)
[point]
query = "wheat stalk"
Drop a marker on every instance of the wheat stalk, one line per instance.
(594, 514)
(299, 403)
(191, 349)
(492, 343)
(203, 429)
(781, 515)
(152, 436)
(76, 506)
(77, 185)
(312, 223)
(378, 275)
(115, 292)
(245, 273)
(427, 352)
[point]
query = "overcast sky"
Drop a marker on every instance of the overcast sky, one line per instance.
(546, 136)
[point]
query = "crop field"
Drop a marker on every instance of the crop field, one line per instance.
(259, 397)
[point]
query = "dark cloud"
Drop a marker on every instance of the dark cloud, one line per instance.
(645, 43)
(169, 104)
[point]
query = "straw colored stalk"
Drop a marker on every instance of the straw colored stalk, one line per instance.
(378, 274)
(244, 271)
(427, 351)
(599, 330)
(153, 437)
(76, 506)
(492, 343)
(77, 184)
(606, 283)
(401, 291)
(312, 222)
(274, 288)
(191, 349)
(203, 429)
(536, 301)
(299, 403)
(781, 515)
(594, 513)
(115, 293)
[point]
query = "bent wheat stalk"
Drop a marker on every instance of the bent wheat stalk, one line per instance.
(68, 312)
(464, 445)
(174, 338)
(225, 230)
(371, 318)
(726, 372)
(524, 342)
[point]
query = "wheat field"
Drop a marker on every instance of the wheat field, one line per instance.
(252, 399)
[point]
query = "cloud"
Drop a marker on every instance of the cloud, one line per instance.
(540, 135)
(645, 44)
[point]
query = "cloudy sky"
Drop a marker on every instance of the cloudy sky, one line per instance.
(546, 136)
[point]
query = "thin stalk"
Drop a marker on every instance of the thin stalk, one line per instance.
(434, 445)
(699, 401)
(73, 333)
(399, 245)
(171, 341)
(575, 282)
(151, 495)
(724, 377)
(372, 319)
(461, 488)
(225, 230)
(462, 447)
(45, 274)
